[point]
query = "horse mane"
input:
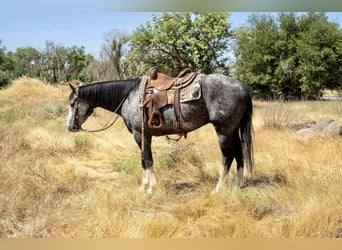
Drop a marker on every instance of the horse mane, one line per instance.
(108, 93)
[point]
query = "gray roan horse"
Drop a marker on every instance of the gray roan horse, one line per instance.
(225, 102)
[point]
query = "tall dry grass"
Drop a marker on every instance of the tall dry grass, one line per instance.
(57, 184)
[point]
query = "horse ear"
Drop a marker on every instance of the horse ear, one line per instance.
(73, 88)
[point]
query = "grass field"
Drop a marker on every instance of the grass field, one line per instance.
(54, 183)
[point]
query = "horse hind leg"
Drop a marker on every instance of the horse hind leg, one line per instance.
(238, 158)
(225, 144)
(230, 149)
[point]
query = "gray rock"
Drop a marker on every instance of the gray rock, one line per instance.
(333, 129)
(305, 134)
(301, 125)
(323, 128)
(323, 124)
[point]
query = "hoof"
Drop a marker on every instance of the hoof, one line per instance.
(214, 192)
(149, 191)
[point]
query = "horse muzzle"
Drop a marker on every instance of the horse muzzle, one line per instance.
(74, 128)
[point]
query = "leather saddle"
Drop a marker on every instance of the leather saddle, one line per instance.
(161, 90)
(161, 81)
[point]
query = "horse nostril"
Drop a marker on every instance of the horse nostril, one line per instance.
(73, 128)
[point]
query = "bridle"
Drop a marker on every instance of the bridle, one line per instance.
(107, 125)
(75, 114)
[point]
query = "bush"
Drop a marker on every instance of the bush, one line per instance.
(277, 116)
(54, 111)
(4, 79)
(81, 141)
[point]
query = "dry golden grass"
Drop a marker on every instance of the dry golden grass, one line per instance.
(57, 184)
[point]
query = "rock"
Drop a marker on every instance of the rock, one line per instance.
(301, 125)
(323, 128)
(333, 129)
(323, 124)
(305, 134)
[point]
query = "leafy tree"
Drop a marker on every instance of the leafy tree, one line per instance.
(289, 55)
(64, 64)
(287, 48)
(319, 54)
(77, 61)
(257, 57)
(4, 78)
(54, 61)
(175, 41)
(27, 62)
(2, 53)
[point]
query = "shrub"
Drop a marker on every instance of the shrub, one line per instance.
(81, 141)
(54, 111)
(277, 116)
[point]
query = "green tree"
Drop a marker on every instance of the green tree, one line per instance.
(257, 57)
(59, 63)
(54, 61)
(7, 65)
(287, 79)
(4, 76)
(77, 61)
(27, 62)
(289, 55)
(175, 41)
(319, 54)
(53, 64)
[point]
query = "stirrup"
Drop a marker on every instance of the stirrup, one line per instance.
(155, 120)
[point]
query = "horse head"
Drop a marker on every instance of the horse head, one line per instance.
(79, 110)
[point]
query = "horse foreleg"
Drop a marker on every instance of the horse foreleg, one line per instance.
(148, 176)
(152, 179)
(145, 178)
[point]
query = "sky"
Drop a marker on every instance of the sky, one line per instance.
(85, 28)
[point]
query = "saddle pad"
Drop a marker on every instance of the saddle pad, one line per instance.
(141, 94)
(193, 91)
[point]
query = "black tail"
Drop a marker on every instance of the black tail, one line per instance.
(246, 133)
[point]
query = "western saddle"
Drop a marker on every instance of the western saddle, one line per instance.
(159, 90)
